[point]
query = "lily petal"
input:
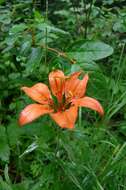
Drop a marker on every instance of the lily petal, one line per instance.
(39, 92)
(89, 103)
(57, 82)
(75, 75)
(66, 119)
(75, 87)
(32, 112)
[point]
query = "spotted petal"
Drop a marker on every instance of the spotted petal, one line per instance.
(74, 87)
(66, 119)
(39, 92)
(57, 81)
(89, 103)
(32, 112)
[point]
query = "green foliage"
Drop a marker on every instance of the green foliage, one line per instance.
(4, 147)
(90, 51)
(37, 37)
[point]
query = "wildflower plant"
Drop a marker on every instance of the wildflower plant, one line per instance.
(41, 36)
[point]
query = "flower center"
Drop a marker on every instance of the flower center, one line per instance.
(61, 105)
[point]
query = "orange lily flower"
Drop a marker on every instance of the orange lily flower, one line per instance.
(69, 93)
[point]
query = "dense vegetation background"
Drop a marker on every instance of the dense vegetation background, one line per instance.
(37, 37)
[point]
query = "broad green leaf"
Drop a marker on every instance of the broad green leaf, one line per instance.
(49, 28)
(17, 28)
(5, 17)
(86, 66)
(10, 41)
(38, 17)
(25, 47)
(90, 50)
(109, 2)
(34, 59)
(119, 26)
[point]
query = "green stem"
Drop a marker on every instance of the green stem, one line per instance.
(57, 138)
(46, 32)
(80, 117)
(33, 5)
(87, 17)
(76, 15)
(120, 61)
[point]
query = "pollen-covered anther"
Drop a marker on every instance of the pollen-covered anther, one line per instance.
(69, 95)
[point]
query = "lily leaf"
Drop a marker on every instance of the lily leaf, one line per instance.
(90, 50)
